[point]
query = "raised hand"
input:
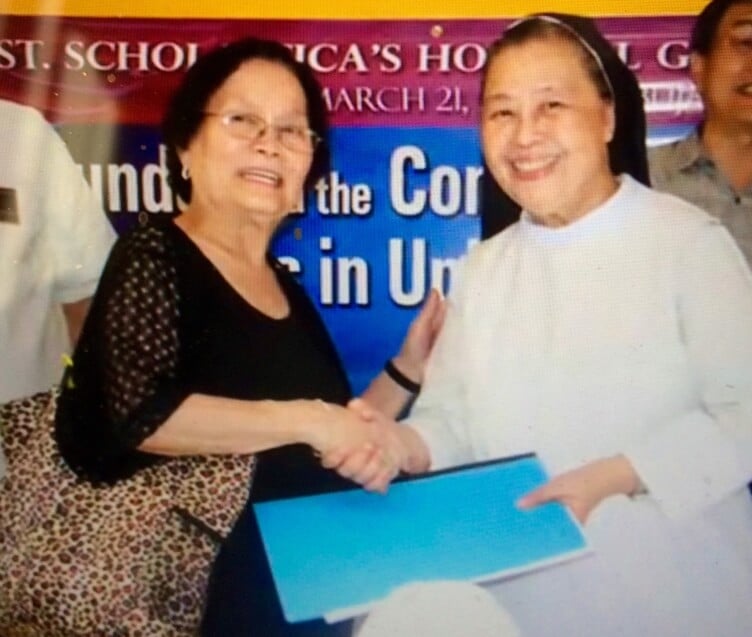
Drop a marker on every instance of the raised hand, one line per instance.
(420, 337)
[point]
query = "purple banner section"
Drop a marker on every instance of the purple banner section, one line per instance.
(374, 73)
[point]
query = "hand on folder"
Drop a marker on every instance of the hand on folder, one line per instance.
(583, 489)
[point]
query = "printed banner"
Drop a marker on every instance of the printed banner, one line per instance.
(400, 206)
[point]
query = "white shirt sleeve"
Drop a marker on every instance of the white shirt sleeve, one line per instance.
(76, 232)
(705, 454)
(439, 413)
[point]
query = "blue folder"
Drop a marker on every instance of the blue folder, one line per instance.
(334, 555)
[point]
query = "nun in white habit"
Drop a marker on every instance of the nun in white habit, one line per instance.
(609, 330)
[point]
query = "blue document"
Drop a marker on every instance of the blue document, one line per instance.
(336, 554)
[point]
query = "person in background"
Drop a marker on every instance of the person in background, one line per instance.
(608, 330)
(712, 167)
(54, 240)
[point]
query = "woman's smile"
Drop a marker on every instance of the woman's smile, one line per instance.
(261, 176)
(533, 168)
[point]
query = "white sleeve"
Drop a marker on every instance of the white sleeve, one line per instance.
(705, 454)
(438, 414)
(76, 231)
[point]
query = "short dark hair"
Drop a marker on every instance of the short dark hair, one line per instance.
(705, 27)
(532, 29)
(185, 110)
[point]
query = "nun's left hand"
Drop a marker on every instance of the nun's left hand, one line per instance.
(582, 489)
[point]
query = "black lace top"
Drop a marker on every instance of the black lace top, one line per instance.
(164, 324)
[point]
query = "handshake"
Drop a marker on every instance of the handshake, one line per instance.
(364, 445)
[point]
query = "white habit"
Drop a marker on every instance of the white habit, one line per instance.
(628, 331)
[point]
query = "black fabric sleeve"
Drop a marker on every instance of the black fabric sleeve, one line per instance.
(125, 379)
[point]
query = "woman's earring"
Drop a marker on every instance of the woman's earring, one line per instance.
(185, 173)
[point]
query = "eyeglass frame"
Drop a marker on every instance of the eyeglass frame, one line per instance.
(224, 118)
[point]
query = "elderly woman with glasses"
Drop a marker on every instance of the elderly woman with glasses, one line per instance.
(199, 342)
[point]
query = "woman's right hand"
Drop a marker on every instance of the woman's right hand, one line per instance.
(361, 432)
(400, 449)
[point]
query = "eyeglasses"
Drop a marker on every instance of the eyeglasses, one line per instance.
(250, 127)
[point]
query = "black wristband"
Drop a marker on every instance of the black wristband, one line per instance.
(398, 377)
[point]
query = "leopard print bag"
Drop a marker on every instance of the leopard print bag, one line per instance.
(126, 560)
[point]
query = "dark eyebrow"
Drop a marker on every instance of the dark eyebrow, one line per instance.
(742, 22)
